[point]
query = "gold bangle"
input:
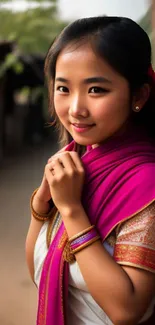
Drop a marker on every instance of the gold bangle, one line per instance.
(35, 214)
(76, 250)
(83, 232)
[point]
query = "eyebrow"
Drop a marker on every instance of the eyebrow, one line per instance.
(88, 80)
(96, 79)
(61, 79)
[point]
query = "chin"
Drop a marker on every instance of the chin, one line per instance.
(89, 141)
(84, 142)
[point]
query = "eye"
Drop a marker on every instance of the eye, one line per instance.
(63, 89)
(97, 90)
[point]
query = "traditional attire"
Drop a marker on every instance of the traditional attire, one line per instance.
(118, 197)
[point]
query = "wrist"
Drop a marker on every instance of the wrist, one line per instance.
(39, 205)
(72, 211)
(75, 219)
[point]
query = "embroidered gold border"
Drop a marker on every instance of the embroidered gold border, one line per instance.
(61, 289)
(123, 263)
(139, 256)
(50, 228)
(44, 298)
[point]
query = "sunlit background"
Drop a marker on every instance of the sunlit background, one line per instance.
(27, 28)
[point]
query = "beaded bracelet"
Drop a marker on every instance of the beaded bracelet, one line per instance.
(83, 239)
(81, 233)
(36, 215)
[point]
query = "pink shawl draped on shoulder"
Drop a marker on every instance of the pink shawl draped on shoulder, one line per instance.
(120, 181)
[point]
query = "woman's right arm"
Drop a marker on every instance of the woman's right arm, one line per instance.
(40, 206)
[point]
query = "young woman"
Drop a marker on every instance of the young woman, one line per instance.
(91, 245)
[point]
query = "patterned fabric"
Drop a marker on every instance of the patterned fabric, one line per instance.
(135, 240)
(53, 227)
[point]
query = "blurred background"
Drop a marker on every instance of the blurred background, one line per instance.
(27, 29)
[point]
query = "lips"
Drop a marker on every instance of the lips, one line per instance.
(82, 126)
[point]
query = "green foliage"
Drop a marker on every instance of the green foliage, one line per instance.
(11, 60)
(33, 29)
(145, 22)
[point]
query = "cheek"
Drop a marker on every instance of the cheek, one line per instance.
(60, 107)
(114, 107)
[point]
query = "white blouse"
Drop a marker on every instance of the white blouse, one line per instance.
(82, 308)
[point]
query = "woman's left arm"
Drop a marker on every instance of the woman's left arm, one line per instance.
(123, 292)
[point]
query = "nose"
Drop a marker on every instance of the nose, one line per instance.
(78, 107)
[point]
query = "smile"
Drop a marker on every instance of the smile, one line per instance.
(82, 127)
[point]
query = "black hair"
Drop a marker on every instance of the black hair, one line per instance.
(123, 44)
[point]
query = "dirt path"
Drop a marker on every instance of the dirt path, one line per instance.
(18, 178)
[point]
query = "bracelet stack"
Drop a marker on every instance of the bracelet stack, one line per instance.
(83, 239)
(36, 215)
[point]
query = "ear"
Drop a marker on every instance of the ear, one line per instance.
(141, 96)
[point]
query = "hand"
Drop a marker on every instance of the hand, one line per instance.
(65, 176)
(43, 195)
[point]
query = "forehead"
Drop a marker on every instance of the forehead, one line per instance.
(79, 55)
(78, 60)
(76, 51)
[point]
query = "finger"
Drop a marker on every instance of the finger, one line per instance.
(64, 161)
(54, 157)
(53, 167)
(49, 174)
(77, 161)
(70, 159)
(67, 162)
(58, 168)
(58, 153)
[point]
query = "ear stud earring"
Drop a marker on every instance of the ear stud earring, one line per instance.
(136, 109)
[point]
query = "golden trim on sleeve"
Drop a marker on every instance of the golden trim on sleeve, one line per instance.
(132, 255)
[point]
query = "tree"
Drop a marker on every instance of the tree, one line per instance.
(33, 29)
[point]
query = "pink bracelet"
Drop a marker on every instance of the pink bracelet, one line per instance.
(83, 240)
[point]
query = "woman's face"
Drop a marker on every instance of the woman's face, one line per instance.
(91, 99)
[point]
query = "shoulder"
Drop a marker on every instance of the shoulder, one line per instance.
(135, 240)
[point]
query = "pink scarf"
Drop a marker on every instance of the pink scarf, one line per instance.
(120, 181)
